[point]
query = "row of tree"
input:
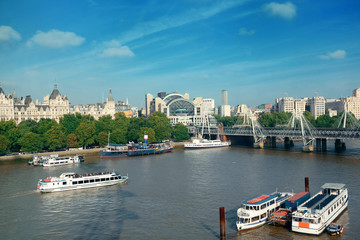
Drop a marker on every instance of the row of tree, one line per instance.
(74, 130)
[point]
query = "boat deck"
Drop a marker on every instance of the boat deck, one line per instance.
(325, 202)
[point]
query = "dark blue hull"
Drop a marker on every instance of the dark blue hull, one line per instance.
(104, 154)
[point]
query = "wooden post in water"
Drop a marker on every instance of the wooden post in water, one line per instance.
(307, 184)
(222, 223)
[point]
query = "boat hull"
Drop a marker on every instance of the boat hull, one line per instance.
(105, 154)
(85, 186)
(242, 227)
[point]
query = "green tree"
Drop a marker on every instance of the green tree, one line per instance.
(72, 141)
(4, 145)
(28, 126)
(86, 133)
(31, 142)
(161, 126)
(56, 138)
(118, 136)
(135, 125)
(104, 124)
(180, 132)
(70, 122)
(14, 136)
(147, 131)
(45, 124)
(102, 138)
(6, 126)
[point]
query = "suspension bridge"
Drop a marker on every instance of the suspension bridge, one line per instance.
(298, 128)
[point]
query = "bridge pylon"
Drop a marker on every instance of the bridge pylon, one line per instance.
(298, 121)
(249, 121)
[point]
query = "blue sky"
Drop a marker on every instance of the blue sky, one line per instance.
(257, 50)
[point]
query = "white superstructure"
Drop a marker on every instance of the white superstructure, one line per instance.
(255, 211)
(204, 143)
(72, 181)
(58, 161)
(314, 215)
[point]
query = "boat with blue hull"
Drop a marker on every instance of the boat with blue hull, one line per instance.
(114, 150)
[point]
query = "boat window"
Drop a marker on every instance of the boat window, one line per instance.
(272, 202)
(263, 206)
(107, 179)
(329, 211)
(74, 182)
(263, 215)
(247, 207)
(116, 178)
(257, 208)
(97, 180)
(86, 181)
(112, 178)
(255, 219)
(64, 183)
(92, 180)
(81, 182)
(103, 179)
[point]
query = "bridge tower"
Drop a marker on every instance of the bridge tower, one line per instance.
(347, 120)
(298, 120)
(250, 121)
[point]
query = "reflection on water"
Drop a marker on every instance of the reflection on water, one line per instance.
(170, 196)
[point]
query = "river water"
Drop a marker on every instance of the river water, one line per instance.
(171, 196)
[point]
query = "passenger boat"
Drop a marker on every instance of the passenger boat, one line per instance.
(73, 181)
(204, 143)
(58, 161)
(314, 215)
(255, 211)
(335, 229)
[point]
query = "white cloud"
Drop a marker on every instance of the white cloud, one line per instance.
(245, 32)
(56, 39)
(8, 33)
(112, 43)
(338, 54)
(123, 51)
(165, 23)
(286, 10)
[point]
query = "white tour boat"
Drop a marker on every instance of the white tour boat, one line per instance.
(72, 181)
(314, 215)
(204, 143)
(255, 211)
(57, 161)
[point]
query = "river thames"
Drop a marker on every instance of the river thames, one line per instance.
(172, 196)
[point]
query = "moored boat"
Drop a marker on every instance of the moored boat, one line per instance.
(114, 150)
(335, 229)
(73, 181)
(58, 161)
(255, 211)
(204, 143)
(283, 216)
(314, 215)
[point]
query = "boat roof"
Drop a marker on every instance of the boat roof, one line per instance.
(336, 186)
(259, 199)
(297, 196)
(116, 145)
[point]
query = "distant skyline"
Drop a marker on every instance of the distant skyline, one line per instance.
(256, 50)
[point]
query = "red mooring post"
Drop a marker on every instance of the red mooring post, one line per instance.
(307, 184)
(222, 223)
